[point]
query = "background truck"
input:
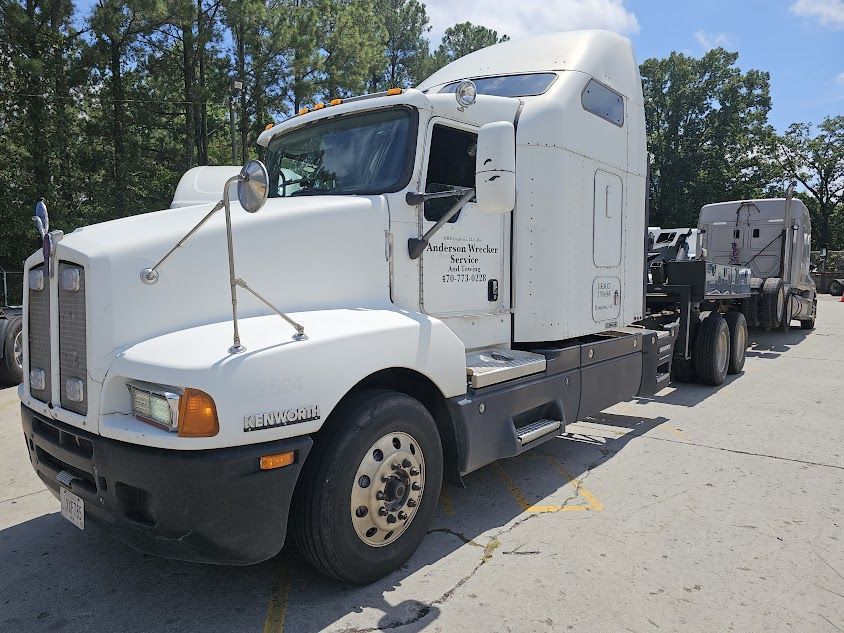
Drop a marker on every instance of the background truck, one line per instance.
(828, 277)
(11, 327)
(438, 278)
(773, 238)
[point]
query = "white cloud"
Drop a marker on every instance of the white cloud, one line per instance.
(839, 79)
(712, 40)
(828, 12)
(531, 17)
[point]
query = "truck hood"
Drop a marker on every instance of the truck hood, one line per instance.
(301, 254)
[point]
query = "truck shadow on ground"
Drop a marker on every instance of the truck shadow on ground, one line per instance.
(60, 579)
(772, 344)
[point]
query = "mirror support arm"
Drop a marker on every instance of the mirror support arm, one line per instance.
(150, 275)
(416, 245)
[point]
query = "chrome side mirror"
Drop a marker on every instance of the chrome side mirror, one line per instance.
(253, 186)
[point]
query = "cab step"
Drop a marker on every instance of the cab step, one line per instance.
(492, 366)
(535, 430)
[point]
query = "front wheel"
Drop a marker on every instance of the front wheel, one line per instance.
(369, 491)
(11, 364)
(836, 288)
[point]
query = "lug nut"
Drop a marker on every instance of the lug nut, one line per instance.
(380, 495)
(384, 479)
(416, 486)
(382, 512)
(411, 503)
(391, 518)
(402, 516)
(395, 466)
(414, 472)
(406, 463)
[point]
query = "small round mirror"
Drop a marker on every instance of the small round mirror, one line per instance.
(466, 93)
(253, 186)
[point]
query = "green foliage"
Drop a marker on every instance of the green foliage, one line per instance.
(707, 132)
(815, 158)
(460, 40)
(102, 113)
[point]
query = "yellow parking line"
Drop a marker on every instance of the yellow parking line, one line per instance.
(277, 609)
(445, 502)
(593, 503)
(512, 488)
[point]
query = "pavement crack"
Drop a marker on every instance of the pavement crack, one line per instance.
(459, 535)
(750, 453)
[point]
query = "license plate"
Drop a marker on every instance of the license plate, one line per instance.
(73, 508)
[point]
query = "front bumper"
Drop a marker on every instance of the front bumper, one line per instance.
(211, 506)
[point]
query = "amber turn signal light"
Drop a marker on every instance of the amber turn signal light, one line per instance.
(392, 92)
(277, 460)
(197, 414)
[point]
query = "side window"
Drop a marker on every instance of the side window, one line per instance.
(451, 162)
(600, 100)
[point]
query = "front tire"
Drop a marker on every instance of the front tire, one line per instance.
(11, 365)
(772, 303)
(368, 492)
(712, 350)
(836, 288)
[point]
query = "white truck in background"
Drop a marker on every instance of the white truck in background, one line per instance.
(440, 277)
(772, 237)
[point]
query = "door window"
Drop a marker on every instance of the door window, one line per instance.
(451, 163)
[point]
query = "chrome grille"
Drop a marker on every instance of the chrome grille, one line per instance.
(39, 335)
(73, 364)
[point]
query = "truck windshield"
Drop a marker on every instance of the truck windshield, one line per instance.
(353, 154)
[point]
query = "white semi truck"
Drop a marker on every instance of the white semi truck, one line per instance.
(440, 277)
(773, 238)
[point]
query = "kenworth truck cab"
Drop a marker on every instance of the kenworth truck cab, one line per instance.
(439, 277)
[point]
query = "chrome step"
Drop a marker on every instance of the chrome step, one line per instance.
(535, 430)
(491, 366)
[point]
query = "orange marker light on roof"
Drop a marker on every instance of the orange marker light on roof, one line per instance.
(335, 102)
(304, 111)
(268, 126)
(319, 106)
(393, 92)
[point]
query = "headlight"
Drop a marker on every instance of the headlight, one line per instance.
(157, 405)
(191, 412)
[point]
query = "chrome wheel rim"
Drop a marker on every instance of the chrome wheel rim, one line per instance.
(18, 350)
(387, 489)
(722, 349)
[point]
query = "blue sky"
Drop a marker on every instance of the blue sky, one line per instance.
(799, 42)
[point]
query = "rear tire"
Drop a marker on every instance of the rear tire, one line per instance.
(712, 350)
(335, 517)
(836, 288)
(737, 325)
(808, 324)
(772, 303)
(11, 365)
(785, 324)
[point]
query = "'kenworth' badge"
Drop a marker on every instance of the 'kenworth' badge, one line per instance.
(273, 419)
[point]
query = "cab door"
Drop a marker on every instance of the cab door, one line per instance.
(465, 267)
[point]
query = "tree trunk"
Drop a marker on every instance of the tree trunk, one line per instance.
(202, 109)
